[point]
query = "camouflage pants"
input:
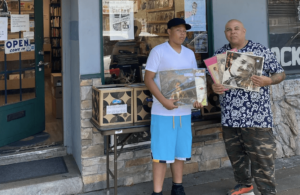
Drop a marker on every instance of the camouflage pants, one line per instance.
(258, 146)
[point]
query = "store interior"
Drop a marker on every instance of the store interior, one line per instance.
(53, 133)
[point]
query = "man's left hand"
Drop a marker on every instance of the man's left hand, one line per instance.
(261, 81)
(197, 105)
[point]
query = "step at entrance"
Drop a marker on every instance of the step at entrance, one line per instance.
(67, 180)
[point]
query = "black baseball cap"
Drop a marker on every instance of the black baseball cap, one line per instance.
(178, 21)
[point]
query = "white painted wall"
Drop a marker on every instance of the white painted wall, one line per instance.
(252, 13)
(89, 36)
(71, 81)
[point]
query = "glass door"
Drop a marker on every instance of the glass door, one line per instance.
(22, 109)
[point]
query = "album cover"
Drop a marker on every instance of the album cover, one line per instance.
(166, 3)
(213, 68)
(200, 81)
(161, 3)
(239, 68)
(221, 63)
(171, 15)
(166, 16)
(178, 85)
(171, 2)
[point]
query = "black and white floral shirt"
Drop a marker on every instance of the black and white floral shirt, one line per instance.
(243, 108)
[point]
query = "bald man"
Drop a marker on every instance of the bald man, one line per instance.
(247, 117)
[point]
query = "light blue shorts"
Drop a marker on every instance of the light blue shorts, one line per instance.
(171, 138)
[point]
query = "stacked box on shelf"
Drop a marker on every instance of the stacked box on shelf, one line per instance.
(56, 89)
(112, 105)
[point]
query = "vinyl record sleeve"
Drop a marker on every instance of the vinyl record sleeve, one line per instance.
(213, 67)
(179, 85)
(221, 58)
(239, 69)
(200, 81)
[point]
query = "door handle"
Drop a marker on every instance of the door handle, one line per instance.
(41, 63)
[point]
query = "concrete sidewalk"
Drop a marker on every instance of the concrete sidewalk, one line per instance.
(218, 182)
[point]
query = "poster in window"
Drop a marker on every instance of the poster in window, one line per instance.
(195, 14)
(121, 20)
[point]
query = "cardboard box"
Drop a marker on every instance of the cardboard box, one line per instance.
(15, 76)
(29, 55)
(56, 92)
(142, 104)
(57, 107)
(56, 79)
(15, 84)
(112, 106)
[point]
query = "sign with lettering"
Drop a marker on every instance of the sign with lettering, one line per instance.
(116, 109)
(19, 22)
(286, 48)
(17, 45)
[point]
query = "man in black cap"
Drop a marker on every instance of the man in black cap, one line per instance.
(171, 135)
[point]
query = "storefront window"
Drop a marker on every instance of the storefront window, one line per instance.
(132, 28)
(284, 29)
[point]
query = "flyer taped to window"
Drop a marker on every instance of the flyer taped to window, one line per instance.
(121, 20)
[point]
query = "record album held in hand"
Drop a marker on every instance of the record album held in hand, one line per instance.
(239, 69)
(200, 81)
(178, 85)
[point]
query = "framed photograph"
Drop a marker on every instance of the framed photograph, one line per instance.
(239, 68)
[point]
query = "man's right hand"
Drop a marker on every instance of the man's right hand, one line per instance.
(169, 104)
(218, 88)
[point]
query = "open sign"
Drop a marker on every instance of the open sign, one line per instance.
(17, 45)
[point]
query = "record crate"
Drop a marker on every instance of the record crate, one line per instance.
(142, 103)
(112, 105)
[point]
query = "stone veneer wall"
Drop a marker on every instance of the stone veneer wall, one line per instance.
(286, 113)
(136, 166)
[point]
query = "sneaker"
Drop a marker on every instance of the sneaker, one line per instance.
(179, 190)
(241, 189)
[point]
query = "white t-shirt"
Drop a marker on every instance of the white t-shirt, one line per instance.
(164, 57)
